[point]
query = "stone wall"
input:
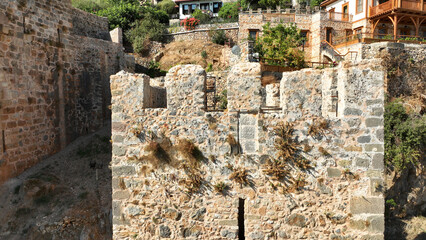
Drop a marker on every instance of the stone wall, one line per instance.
(160, 190)
(203, 32)
(53, 83)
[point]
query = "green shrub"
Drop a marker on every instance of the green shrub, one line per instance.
(281, 43)
(121, 15)
(167, 6)
(219, 37)
(273, 3)
(145, 30)
(405, 136)
(201, 16)
(91, 6)
(223, 100)
(204, 54)
(229, 11)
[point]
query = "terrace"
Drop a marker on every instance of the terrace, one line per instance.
(403, 6)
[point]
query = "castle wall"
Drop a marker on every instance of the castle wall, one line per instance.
(54, 78)
(160, 190)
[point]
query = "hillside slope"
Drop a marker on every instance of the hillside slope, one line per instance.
(67, 196)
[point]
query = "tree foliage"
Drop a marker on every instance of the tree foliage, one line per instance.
(281, 42)
(405, 136)
(201, 16)
(168, 6)
(145, 30)
(229, 11)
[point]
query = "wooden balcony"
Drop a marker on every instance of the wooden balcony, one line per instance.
(341, 17)
(417, 6)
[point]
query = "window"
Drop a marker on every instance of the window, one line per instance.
(193, 7)
(216, 7)
(204, 6)
(186, 8)
(253, 34)
(305, 35)
(329, 35)
(358, 32)
(359, 4)
(345, 11)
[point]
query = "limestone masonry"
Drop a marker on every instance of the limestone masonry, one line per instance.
(163, 190)
(55, 63)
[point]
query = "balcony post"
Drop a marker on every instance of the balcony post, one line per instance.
(395, 27)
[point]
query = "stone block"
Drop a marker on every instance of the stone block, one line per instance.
(373, 147)
(124, 194)
(362, 162)
(333, 172)
(378, 111)
(372, 205)
(248, 132)
(374, 122)
(296, 220)
(364, 139)
(352, 111)
(378, 161)
(123, 171)
(165, 231)
(228, 222)
(118, 151)
(248, 119)
(380, 135)
(257, 235)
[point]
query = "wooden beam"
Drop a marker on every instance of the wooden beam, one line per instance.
(416, 25)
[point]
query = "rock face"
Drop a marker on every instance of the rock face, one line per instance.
(193, 193)
(54, 74)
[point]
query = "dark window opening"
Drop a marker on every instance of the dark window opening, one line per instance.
(241, 219)
(186, 10)
(204, 6)
(216, 7)
(253, 35)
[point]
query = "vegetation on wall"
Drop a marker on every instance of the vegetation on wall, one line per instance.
(145, 30)
(168, 6)
(281, 43)
(405, 136)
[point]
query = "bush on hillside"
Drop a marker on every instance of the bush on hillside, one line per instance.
(203, 17)
(168, 6)
(145, 30)
(229, 11)
(91, 6)
(273, 3)
(219, 37)
(405, 136)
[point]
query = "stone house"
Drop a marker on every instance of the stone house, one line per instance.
(337, 30)
(187, 7)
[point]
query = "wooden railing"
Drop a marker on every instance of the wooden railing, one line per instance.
(337, 16)
(394, 4)
(411, 4)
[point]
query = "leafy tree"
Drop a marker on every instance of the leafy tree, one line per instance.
(168, 6)
(405, 136)
(91, 6)
(122, 15)
(145, 30)
(230, 11)
(282, 43)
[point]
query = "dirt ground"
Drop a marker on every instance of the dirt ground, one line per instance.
(67, 196)
(189, 52)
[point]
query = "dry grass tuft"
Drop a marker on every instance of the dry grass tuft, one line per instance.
(284, 143)
(323, 152)
(221, 187)
(193, 182)
(277, 169)
(192, 154)
(240, 175)
(318, 127)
